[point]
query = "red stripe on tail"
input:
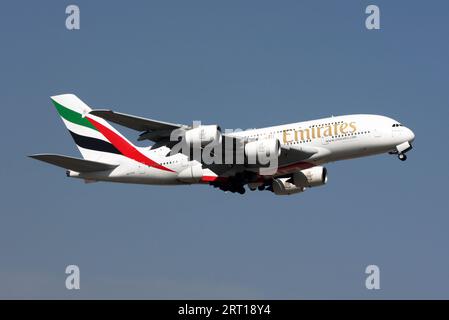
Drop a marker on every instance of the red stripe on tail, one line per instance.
(126, 148)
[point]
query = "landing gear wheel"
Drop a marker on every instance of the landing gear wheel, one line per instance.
(402, 157)
(261, 188)
(241, 190)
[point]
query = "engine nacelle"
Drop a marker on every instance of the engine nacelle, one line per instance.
(262, 151)
(203, 135)
(282, 187)
(312, 177)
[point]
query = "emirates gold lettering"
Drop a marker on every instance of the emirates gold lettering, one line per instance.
(318, 132)
(285, 135)
(343, 128)
(328, 131)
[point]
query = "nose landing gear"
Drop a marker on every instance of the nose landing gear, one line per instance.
(401, 149)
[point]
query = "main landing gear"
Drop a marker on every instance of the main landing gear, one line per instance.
(258, 186)
(402, 156)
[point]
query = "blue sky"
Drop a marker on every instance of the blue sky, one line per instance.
(240, 65)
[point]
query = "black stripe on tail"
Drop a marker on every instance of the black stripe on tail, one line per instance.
(94, 143)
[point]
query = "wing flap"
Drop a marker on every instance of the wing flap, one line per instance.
(71, 163)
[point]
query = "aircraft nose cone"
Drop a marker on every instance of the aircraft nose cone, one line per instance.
(410, 135)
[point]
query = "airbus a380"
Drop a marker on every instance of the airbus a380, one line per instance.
(299, 150)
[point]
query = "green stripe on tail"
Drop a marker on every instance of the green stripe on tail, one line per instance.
(72, 116)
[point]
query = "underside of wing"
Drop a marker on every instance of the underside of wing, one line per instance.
(74, 164)
(296, 153)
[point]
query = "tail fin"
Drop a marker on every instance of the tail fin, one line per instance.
(92, 144)
(96, 139)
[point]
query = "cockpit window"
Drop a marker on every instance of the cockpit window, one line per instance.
(397, 125)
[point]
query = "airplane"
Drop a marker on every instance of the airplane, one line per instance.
(298, 150)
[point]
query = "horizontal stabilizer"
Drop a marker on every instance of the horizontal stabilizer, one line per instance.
(74, 164)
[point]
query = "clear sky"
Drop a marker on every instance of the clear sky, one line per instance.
(239, 64)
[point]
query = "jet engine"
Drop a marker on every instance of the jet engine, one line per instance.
(299, 181)
(312, 177)
(282, 187)
(262, 151)
(203, 135)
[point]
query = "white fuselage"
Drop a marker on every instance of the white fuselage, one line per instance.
(336, 138)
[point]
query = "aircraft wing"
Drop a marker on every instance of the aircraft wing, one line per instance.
(159, 132)
(296, 153)
(71, 163)
(153, 130)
